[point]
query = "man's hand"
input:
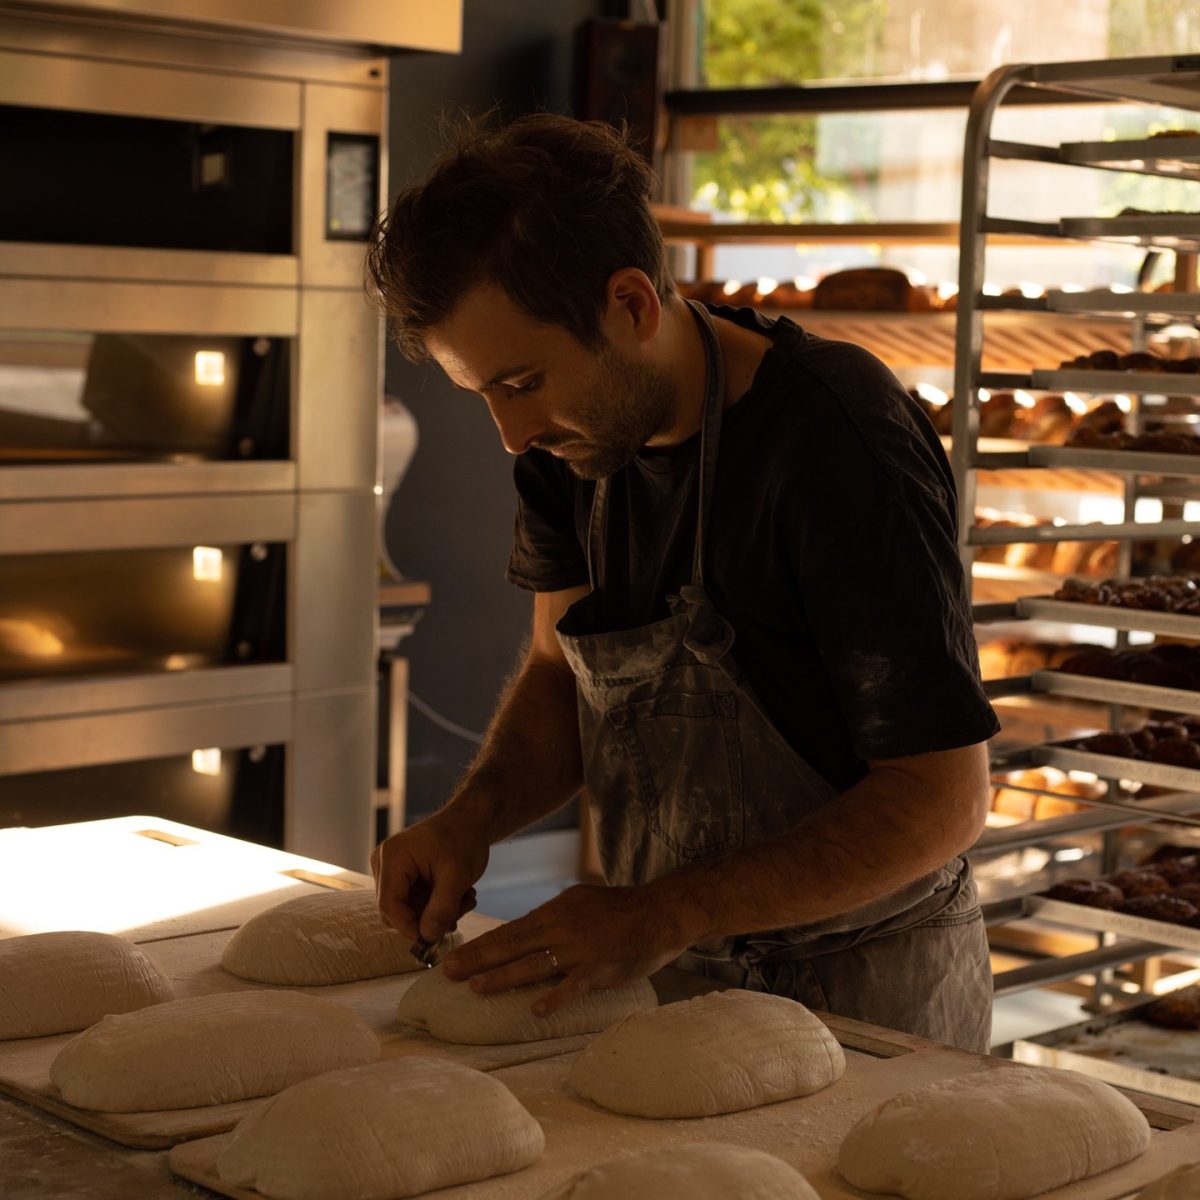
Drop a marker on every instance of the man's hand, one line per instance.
(424, 875)
(598, 937)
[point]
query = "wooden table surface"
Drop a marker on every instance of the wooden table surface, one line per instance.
(45, 1158)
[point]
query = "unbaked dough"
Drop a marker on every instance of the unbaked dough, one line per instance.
(453, 1012)
(327, 937)
(1004, 1133)
(209, 1050)
(717, 1053)
(397, 1128)
(60, 982)
(1183, 1183)
(711, 1171)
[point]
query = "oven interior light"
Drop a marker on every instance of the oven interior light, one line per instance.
(207, 762)
(206, 564)
(210, 368)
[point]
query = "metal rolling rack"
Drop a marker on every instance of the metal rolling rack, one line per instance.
(1174, 82)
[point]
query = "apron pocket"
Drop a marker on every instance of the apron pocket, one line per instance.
(684, 750)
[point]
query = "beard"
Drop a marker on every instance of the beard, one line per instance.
(617, 415)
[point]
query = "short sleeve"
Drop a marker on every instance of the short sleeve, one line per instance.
(547, 555)
(889, 609)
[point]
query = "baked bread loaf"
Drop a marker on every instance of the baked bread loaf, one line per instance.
(878, 289)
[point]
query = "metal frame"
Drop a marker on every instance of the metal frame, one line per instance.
(1159, 80)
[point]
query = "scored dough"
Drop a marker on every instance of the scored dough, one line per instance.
(209, 1050)
(397, 1128)
(1005, 1133)
(717, 1053)
(1183, 1183)
(59, 982)
(327, 937)
(712, 1171)
(453, 1012)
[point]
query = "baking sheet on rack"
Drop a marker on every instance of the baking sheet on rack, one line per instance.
(1152, 383)
(1136, 462)
(1112, 766)
(1125, 1050)
(1105, 920)
(1043, 608)
(1177, 157)
(1115, 691)
(1177, 230)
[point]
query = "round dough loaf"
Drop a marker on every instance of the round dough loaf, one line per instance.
(453, 1012)
(717, 1053)
(209, 1050)
(711, 1171)
(59, 982)
(1005, 1133)
(397, 1128)
(327, 937)
(1183, 1183)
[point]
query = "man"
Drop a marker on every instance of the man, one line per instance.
(751, 634)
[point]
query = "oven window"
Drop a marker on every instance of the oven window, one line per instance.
(116, 397)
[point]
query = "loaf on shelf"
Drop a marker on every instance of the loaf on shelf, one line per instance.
(1091, 559)
(1158, 891)
(1011, 799)
(1002, 658)
(1140, 361)
(857, 289)
(1175, 742)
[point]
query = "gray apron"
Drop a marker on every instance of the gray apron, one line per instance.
(682, 764)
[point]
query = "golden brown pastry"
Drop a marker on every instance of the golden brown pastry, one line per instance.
(879, 289)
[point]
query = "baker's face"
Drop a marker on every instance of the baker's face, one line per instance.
(594, 409)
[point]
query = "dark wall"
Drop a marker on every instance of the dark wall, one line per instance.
(451, 520)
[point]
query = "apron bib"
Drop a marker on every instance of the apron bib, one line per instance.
(681, 763)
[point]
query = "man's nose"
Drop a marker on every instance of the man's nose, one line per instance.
(517, 428)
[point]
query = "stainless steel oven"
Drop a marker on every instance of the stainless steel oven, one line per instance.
(190, 387)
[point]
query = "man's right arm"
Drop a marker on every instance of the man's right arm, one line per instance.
(529, 765)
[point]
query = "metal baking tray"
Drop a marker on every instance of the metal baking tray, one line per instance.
(1154, 383)
(1115, 691)
(1104, 920)
(1105, 300)
(1176, 157)
(1176, 231)
(1133, 462)
(1106, 616)
(1122, 1049)
(1112, 766)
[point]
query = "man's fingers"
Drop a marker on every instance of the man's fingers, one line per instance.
(533, 968)
(494, 949)
(399, 916)
(444, 907)
(571, 988)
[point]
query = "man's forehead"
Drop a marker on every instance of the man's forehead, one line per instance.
(486, 338)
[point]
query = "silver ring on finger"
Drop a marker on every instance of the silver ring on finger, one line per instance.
(553, 961)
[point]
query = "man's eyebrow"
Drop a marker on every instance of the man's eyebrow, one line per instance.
(501, 376)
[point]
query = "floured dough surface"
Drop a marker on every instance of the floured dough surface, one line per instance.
(712, 1171)
(209, 1050)
(1183, 1183)
(717, 1053)
(452, 1012)
(327, 937)
(59, 982)
(1005, 1133)
(397, 1128)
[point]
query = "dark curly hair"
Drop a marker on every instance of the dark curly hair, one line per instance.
(546, 207)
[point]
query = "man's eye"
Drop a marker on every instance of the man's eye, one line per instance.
(528, 385)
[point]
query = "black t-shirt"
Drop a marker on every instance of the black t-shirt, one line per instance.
(831, 551)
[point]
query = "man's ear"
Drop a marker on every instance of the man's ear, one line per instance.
(633, 312)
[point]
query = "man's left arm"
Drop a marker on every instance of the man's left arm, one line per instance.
(903, 819)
